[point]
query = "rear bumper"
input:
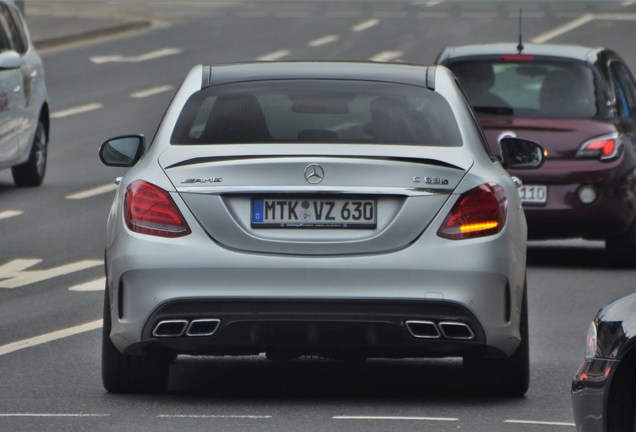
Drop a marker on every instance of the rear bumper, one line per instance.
(565, 216)
(313, 302)
(322, 327)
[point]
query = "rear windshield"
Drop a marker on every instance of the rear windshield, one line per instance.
(536, 89)
(317, 111)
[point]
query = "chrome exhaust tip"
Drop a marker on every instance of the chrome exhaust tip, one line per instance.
(456, 330)
(423, 329)
(170, 328)
(203, 327)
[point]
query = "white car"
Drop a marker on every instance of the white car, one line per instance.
(24, 110)
(346, 210)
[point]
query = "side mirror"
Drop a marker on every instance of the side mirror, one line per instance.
(10, 60)
(122, 151)
(519, 153)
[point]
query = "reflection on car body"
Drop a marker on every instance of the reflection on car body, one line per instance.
(579, 102)
(604, 388)
(346, 210)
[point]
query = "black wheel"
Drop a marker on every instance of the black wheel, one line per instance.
(502, 376)
(123, 373)
(31, 173)
(621, 249)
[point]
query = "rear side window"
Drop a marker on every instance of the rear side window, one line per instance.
(536, 89)
(317, 111)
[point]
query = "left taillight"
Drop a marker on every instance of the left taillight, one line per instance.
(478, 212)
(603, 148)
(148, 209)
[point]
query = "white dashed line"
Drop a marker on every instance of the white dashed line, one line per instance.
(152, 55)
(539, 423)
(95, 285)
(273, 56)
(151, 91)
(365, 25)
(89, 193)
(323, 41)
(565, 28)
(15, 274)
(49, 337)
(76, 110)
(51, 415)
(386, 56)
(9, 214)
(439, 419)
(215, 416)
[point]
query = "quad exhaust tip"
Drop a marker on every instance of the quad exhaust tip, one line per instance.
(181, 327)
(453, 330)
(423, 329)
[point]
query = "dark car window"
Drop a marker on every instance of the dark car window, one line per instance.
(530, 89)
(624, 88)
(323, 111)
(16, 40)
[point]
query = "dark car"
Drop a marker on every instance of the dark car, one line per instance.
(604, 389)
(580, 103)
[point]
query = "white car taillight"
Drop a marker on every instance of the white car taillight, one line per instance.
(148, 209)
(478, 212)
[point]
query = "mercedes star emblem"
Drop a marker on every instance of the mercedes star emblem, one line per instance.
(314, 173)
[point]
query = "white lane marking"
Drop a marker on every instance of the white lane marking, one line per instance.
(152, 55)
(76, 110)
(89, 193)
(9, 214)
(427, 3)
(629, 3)
(616, 17)
(539, 423)
(323, 41)
(95, 285)
(565, 28)
(49, 337)
(440, 419)
(365, 25)
(273, 56)
(14, 274)
(151, 91)
(386, 56)
(214, 416)
(51, 415)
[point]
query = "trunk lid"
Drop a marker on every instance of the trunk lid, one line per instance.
(379, 198)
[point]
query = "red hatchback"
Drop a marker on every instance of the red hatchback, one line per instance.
(579, 103)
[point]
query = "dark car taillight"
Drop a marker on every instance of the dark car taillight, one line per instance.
(478, 212)
(604, 148)
(148, 209)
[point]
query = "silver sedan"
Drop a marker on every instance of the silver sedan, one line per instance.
(346, 210)
(24, 109)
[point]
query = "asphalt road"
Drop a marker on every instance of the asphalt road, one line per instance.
(52, 237)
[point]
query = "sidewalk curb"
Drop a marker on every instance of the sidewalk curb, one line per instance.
(91, 34)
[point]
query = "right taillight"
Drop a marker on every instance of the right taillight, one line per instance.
(148, 209)
(603, 148)
(478, 212)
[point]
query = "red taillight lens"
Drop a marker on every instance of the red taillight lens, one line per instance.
(517, 57)
(479, 212)
(149, 210)
(603, 148)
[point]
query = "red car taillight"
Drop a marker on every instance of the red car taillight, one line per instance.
(148, 209)
(478, 212)
(603, 148)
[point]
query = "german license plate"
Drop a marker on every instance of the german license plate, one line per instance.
(533, 194)
(286, 212)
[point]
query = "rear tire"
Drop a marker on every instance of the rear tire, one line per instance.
(123, 373)
(621, 249)
(508, 376)
(31, 173)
